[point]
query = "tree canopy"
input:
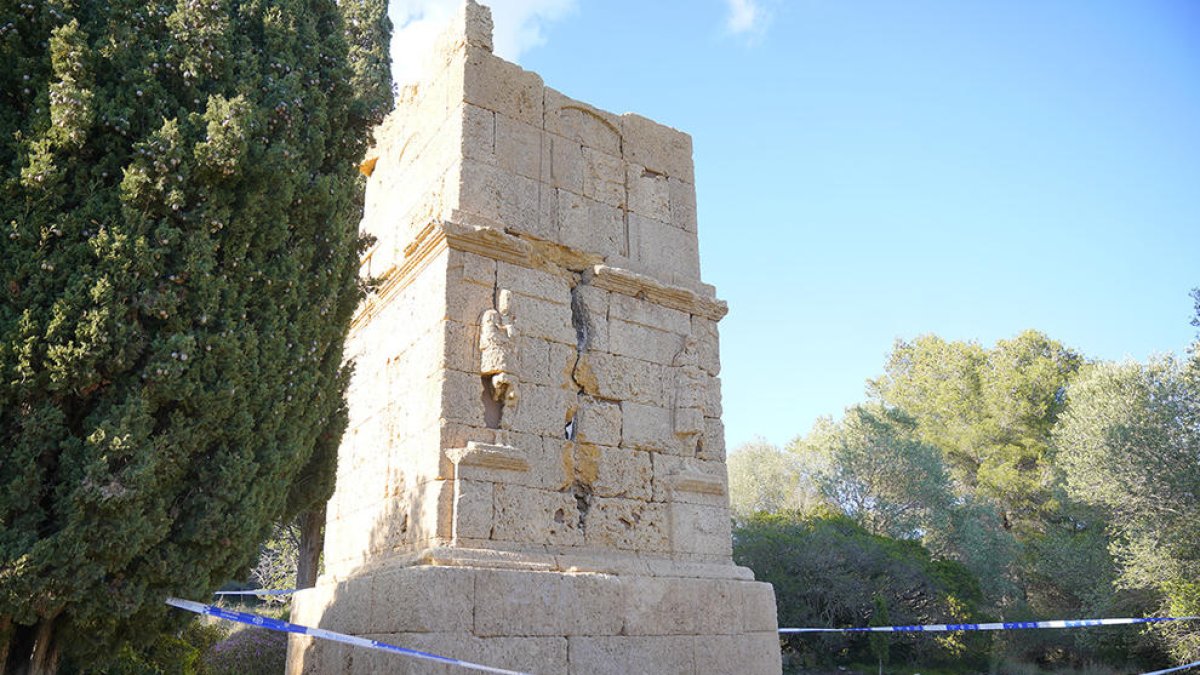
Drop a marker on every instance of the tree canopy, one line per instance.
(1059, 487)
(1130, 443)
(180, 205)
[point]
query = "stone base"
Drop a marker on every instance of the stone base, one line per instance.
(541, 622)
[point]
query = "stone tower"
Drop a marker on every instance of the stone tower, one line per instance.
(534, 472)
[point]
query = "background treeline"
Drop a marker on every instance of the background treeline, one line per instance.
(1017, 482)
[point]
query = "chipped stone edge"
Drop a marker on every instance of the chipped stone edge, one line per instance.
(489, 456)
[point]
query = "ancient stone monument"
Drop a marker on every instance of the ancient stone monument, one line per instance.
(534, 473)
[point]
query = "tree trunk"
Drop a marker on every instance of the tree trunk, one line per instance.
(7, 631)
(312, 540)
(45, 649)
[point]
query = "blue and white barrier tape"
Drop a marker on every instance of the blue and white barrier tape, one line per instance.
(285, 627)
(1008, 625)
(260, 591)
(1176, 669)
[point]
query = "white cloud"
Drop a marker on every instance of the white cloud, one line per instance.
(746, 17)
(519, 26)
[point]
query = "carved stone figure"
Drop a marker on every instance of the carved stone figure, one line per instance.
(497, 354)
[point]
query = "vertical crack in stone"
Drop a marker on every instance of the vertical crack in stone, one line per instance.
(579, 318)
(580, 489)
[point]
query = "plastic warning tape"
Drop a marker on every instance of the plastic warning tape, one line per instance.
(286, 627)
(1176, 669)
(1007, 625)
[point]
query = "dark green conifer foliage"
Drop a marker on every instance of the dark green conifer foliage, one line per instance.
(178, 258)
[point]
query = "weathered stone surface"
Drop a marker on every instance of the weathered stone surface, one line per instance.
(657, 147)
(535, 516)
(599, 422)
(628, 524)
(590, 225)
(502, 87)
(620, 378)
(584, 124)
(673, 253)
(529, 603)
(697, 528)
(647, 427)
(533, 471)
(649, 315)
(614, 472)
(646, 655)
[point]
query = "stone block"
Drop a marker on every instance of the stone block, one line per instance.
(519, 147)
(683, 204)
(498, 197)
(702, 529)
(430, 506)
(534, 283)
(473, 516)
(566, 164)
(708, 341)
(689, 425)
(614, 472)
(547, 216)
(598, 422)
(738, 654)
(657, 147)
(533, 364)
(672, 253)
(417, 599)
(649, 314)
(460, 346)
(479, 134)
(633, 655)
(649, 193)
(629, 524)
(691, 480)
(758, 608)
(603, 177)
(502, 87)
(590, 226)
(646, 427)
(682, 606)
(461, 396)
(541, 410)
(537, 318)
(546, 603)
(542, 655)
(470, 268)
(620, 378)
(586, 125)
(713, 441)
(712, 397)
(642, 342)
(534, 516)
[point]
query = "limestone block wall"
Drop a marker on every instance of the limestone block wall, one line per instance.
(538, 371)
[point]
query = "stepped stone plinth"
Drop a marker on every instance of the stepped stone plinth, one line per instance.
(534, 472)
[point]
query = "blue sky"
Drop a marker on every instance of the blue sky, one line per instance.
(868, 171)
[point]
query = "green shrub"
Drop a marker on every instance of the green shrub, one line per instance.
(251, 651)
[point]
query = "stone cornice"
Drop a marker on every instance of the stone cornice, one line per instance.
(636, 285)
(438, 236)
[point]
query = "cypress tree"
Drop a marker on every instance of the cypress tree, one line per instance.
(178, 266)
